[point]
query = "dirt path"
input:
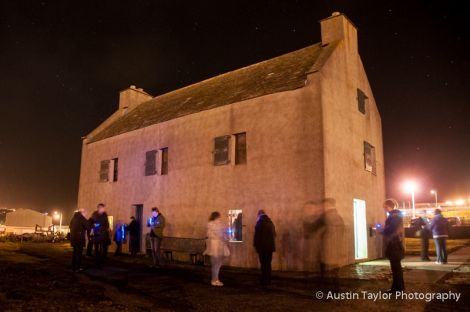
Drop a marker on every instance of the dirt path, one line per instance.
(35, 277)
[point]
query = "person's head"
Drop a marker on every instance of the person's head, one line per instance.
(155, 212)
(101, 208)
(261, 212)
(214, 216)
(437, 212)
(132, 218)
(82, 211)
(390, 204)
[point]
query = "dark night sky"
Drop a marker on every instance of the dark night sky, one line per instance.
(62, 64)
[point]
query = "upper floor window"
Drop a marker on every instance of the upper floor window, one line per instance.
(109, 170)
(115, 162)
(104, 171)
(164, 161)
(240, 148)
(221, 150)
(150, 163)
(369, 158)
(361, 101)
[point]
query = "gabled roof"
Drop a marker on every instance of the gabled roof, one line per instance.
(282, 73)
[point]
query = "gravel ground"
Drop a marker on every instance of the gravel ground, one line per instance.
(36, 277)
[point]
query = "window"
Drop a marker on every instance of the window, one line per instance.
(235, 228)
(240, 148)
(221, 154)
(361, 101)
(150, 163)
(164, 161)
(115, 169)
(104, 171)
(369, 158)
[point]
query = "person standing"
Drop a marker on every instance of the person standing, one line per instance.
(440, 231)
(393, 243)
(264, 243)
(119, 237)
(78, 229)
(420, 224)
(133, 229)
(156, 223)
(100, 230)
(216, 246)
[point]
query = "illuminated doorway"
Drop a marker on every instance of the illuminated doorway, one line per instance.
(360, 229)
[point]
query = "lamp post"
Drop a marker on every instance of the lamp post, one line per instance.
(410, 187)
(58, 216)
(434, 192)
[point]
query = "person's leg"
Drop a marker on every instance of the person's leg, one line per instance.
(117, 252)
(438, 251)
(158, 251)
(97, 248)
(79, 255)
(269, 259)
(263, 259)
(397, 275)
(89, 248)
(153, 246)
(74, 258)
(426, 246)
(444, 249)
(423, 247)
(215, 264)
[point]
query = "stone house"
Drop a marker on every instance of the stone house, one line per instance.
(280, 135)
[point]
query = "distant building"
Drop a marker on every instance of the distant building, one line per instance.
(23, 221)
(278, 135)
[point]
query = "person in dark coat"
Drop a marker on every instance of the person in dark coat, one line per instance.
(78, 229)
(156, 223)
(134, 230)
(393, 243)
(420, 224)
(100, 232)
(440, 231)
(264, 243)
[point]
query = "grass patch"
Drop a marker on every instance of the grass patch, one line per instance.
(413, 245)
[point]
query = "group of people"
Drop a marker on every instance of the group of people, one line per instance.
(438, 229)
(217, 247)
(393, 234)
(97, 230)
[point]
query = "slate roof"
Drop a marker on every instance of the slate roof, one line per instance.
(282, 73)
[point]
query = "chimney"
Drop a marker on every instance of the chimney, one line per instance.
(132, 96)
(339, 27)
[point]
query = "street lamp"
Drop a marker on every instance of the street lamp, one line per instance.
(58, 216)
(411, 187)
(434, 192)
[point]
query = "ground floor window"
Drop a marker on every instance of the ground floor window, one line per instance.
(235, 218)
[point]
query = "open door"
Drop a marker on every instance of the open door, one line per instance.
(360, 229)
(138, 213)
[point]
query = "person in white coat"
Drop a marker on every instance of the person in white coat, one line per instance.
(216, 245)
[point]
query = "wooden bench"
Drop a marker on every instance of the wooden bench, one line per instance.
(194, 247)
